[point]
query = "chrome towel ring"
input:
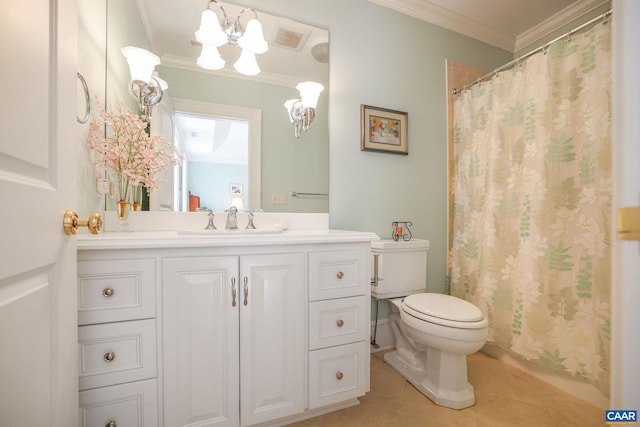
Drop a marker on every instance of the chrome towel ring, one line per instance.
(87, 100)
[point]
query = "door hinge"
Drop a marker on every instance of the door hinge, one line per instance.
(629, 223)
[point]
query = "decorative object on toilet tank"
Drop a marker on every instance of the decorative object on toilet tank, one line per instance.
(401, 230)
(383, 130)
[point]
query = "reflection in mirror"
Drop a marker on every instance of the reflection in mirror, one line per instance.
(285, 164)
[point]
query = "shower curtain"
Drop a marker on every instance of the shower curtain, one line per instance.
(532, 205)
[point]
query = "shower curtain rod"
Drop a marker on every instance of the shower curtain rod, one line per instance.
(605, 15)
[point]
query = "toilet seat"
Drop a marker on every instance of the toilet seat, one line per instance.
(444, 310)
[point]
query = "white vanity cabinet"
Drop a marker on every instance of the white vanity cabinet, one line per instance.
(117, 340)
(177, 330)
(234, 338)
(339, 301)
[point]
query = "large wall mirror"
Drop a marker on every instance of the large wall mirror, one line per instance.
(237, 140)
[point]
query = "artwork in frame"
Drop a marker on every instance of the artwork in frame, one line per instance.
(383, 130)
(235, 190)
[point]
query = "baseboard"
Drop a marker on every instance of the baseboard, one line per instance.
(579, 389)
(384, 336)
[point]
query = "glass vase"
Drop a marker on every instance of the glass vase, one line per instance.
(136, 197)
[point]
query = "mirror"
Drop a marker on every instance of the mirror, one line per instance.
(283, 164)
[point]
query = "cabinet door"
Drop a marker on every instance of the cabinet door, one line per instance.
(200, 341)
(272, 336)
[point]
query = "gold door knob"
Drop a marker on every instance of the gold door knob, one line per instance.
(340, 323)
(107, 292)
(339, 375)
(71, 223)
(340, 275)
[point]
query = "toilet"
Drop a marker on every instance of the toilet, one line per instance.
(433, 332)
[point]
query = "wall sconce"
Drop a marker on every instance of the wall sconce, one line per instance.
(302, 112)
(146, 86)
(214, 33)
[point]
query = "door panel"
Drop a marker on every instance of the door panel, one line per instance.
(272, 337)
(38, 319)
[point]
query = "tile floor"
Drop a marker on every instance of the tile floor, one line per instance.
(505, 397)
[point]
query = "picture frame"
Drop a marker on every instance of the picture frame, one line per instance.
(235, 190)
(383, 130)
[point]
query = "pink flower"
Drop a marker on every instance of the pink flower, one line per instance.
(123, 146)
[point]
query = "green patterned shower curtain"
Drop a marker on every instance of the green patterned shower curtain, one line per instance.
(532, 205)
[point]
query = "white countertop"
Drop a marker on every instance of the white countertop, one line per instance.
(218, 238)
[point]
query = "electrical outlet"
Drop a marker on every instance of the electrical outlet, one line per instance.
(279, 199)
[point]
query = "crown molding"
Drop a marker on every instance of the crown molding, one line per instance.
(564, 17)
(190, 64)
(442, 17)
(428, 12)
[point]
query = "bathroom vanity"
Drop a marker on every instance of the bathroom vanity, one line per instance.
(221, 329)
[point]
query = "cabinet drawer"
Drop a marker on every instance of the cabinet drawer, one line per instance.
(338, 274)
(116, 353)
(132, 404)
(336, 322)
(116, 290)
(337, 374)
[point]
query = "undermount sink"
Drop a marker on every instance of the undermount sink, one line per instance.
(229, 233)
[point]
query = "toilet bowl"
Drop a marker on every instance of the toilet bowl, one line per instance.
(433, 332)
(432, 344)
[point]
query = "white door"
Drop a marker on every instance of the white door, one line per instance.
(272, 337)
(38, 329)
(625, 347)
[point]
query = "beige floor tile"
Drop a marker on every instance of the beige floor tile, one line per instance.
(505, 397)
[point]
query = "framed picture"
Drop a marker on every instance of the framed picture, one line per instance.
(235, 190)
(383, 130)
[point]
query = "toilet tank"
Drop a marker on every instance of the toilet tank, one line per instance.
(401, 267)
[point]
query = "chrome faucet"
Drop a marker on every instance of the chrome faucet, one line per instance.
(210, 226)
(232, 219)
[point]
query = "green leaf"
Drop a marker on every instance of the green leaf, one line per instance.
(561, 150)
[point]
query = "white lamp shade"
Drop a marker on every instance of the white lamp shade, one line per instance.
(237, 202)
(309, 92)
(288, 105)
(210, 31)
(253, 39)
(141, 63)
(247, 64)
(210, 58)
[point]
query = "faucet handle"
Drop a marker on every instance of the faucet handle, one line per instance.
(250, 225)
(210, 225)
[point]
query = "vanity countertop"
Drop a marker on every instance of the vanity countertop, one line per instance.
(219, 238)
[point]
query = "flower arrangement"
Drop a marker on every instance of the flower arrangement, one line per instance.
(123, 146)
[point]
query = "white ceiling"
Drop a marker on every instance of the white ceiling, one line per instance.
(507, 24)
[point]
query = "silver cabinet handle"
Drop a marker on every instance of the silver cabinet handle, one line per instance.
(107, 292)
(339, 375)
(233, 292)
(109, 356)
(246, 290)
(340, 323)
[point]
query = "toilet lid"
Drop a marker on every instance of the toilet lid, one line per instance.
(441, 306)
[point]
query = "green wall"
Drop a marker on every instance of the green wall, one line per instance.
(386, 59)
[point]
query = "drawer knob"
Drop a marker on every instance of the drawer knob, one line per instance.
(109, 356)
(111, 423)
(339, 375)
(340, 323)
(107, 292)
(340, 275)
